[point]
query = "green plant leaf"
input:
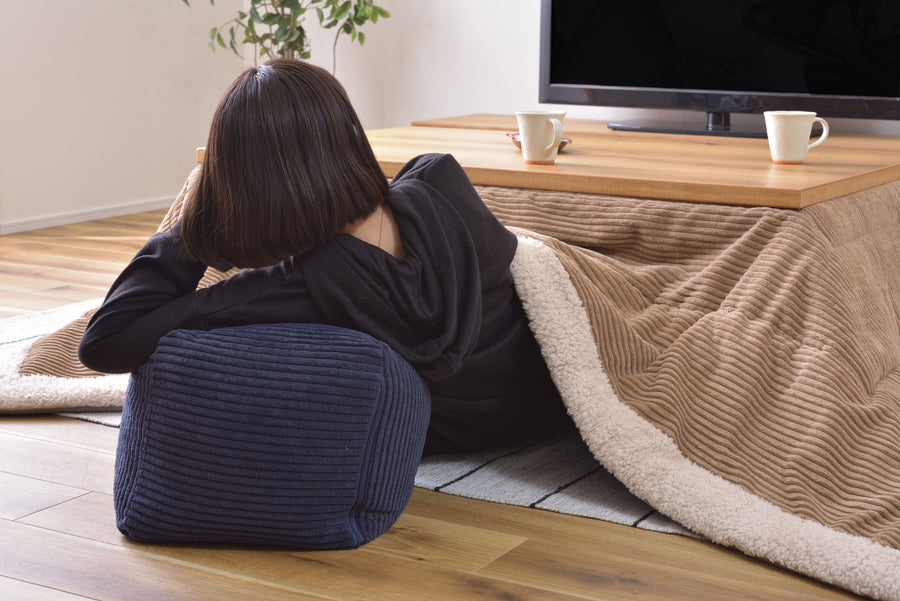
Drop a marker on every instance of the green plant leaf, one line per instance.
(343, 11)
(232, 41)
(284, 21)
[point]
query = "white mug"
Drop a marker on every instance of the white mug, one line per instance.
(788, 133)
(540, 133)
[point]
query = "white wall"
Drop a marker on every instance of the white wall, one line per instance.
(99, 114)
(437, 58)
(102, 103)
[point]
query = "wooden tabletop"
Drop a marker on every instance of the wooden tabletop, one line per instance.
(648, 165)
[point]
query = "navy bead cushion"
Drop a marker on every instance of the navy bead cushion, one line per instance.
(299, 435)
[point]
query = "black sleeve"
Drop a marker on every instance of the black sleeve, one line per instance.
(156, 293)
(443, 173)
(153, 295)
(496, 245)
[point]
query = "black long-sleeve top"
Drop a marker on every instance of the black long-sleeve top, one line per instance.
(449, 307)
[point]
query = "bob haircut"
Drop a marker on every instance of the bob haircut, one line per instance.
(287, 167)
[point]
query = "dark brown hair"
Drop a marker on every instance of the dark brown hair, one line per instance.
(287, 166)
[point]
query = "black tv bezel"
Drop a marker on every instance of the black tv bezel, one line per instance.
(718, 105)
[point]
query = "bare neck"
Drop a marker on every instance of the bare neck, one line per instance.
(379, 229)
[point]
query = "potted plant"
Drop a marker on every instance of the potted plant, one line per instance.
(276, 27)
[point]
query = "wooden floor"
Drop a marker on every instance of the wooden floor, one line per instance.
(59, 540)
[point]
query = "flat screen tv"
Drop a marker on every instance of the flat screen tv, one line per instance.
(839, 58)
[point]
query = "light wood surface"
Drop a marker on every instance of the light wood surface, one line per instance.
(691, 168)
(647, 165)
(60, 541)
(505, 123)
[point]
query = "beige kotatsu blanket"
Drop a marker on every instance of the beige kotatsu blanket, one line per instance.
(735, 367)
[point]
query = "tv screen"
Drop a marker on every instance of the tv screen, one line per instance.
(839, 58)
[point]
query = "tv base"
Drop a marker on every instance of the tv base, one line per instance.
(717, 128)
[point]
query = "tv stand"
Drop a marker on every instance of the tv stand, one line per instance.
(717, 124)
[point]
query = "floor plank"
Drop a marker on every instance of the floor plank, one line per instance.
(108, 573)
(59, 463)
(91, 516)
(62, 430)
(417, 559)
(23, 495)
(583, 571)
(16, 590)
(614, 539)
(443, 543)
(20, 274)
(362, 575)
(420, 540)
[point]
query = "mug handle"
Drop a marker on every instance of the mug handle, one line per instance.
(822, 137)
(557, 135)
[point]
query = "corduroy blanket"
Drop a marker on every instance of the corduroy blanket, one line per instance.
(737, 368)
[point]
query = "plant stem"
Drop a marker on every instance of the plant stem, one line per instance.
(334, 52)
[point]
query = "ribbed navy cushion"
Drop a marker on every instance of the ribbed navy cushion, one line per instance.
(297, 435)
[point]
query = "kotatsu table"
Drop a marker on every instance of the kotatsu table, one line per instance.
(724, 331)
(643, 165)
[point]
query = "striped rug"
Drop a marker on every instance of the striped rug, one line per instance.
(558, 474)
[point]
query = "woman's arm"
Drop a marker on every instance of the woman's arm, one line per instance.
(157, 293)
(152, 296)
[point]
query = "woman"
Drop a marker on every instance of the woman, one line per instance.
(290, 190)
